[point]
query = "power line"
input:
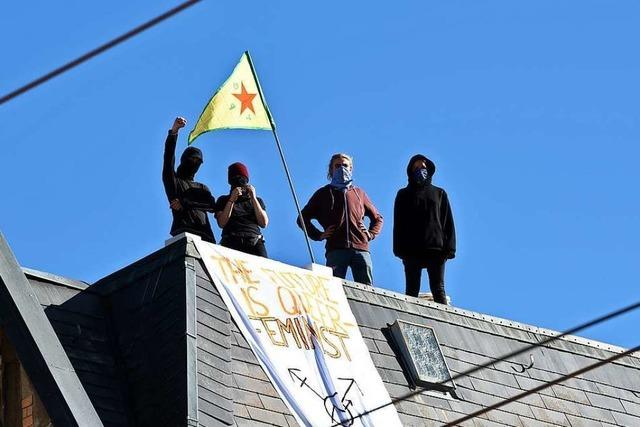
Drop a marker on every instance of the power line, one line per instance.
(98, 50)
(542, 386)
(571, 331)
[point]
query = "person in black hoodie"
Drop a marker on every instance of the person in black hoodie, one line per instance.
(189, 200)
(423, 232)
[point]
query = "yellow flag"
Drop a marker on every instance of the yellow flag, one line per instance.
(237, 104)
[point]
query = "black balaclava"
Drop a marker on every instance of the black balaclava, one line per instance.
(190, 162)
(431, 170)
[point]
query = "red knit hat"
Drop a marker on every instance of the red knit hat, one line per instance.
(236, 169)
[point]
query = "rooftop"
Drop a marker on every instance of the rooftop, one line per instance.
(153, 343)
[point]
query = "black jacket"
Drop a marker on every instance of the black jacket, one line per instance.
(196, 199)
(422, 219)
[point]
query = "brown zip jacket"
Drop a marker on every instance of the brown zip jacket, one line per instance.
(331, 206)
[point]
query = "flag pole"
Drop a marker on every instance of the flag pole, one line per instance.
(284, 162)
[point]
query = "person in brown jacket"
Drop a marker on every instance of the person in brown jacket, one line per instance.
(340, 208)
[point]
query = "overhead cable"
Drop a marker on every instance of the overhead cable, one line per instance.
(543, 386)
(98, 51)
(477, 368)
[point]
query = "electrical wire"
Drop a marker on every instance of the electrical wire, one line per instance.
(543, 386)
(97, 51)
(598, 320)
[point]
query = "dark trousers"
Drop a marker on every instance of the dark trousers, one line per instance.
(435, 269)
(245, 245)
(359, 261)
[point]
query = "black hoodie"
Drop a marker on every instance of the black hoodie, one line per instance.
(422, 219)
(195, 198)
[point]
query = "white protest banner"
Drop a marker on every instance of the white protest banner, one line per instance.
(301, 329)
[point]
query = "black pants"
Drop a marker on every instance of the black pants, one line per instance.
(245, 245)
(435, 269)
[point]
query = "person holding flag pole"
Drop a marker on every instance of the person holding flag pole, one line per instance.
(240, 104)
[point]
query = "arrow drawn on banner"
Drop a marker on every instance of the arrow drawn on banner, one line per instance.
(332, 410)
(303, 382)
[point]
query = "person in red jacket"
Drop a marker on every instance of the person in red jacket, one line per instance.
(340, 208)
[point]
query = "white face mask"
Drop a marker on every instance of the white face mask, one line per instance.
(421, 175)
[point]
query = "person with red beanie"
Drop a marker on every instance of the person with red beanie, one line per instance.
(242, 214)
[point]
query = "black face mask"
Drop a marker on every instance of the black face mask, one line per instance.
(189, 167)
(238, 181)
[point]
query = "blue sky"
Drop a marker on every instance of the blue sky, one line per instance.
(530, 110)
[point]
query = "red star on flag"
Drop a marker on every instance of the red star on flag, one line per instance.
(245, 98)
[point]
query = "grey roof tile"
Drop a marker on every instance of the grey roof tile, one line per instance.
(505, 418)
(626, 419)
(240, 410)
(291, 420)
(529, 422)
(385, 361)
(247, 422)
(549, 416)
(408, 420)
(247, 397)
(392, 376)
(560, 405)
(631, 408)
(434, 402)
(269, 417)
(219, 384)
(499, 377)
(371, 345)
(605, 402)
(493, 389)
(568, 393)
(621, 393)
(250, 370)
(373, 333)
(274, 404)
(384, 347)
(217, 349)
(519, 408)
(252, 384)
(583, 422)
(479, 422)
(214, 362)
(527, 383)
(598, 414)
(214, 411)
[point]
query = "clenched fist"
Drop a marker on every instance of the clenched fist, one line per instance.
(178, 123)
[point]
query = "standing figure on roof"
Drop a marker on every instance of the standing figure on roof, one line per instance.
(423, 232)
(242, 214)
(340, 208)
(189, 200)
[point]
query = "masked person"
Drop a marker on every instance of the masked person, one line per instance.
(241, 214)
(189, 200)
(423, 232)
(340, 208)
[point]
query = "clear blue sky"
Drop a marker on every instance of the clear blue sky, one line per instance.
(530, 110)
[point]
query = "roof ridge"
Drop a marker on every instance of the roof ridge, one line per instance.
(492, 319)
(55, 279)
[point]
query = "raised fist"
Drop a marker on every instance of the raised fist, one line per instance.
(178, 123)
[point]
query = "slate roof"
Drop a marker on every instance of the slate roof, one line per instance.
(39, 348)
(153, 344)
